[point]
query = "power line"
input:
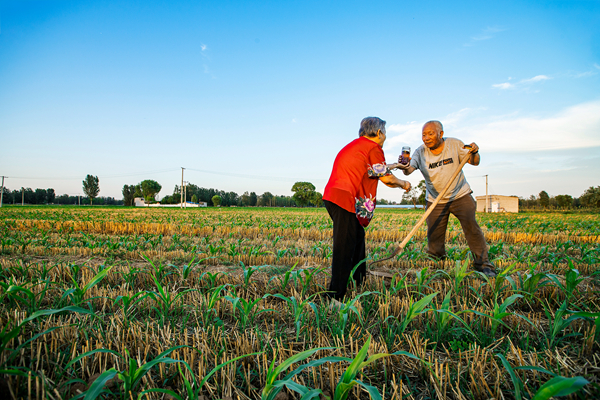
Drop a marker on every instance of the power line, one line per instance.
(102, 176)
(247, 176)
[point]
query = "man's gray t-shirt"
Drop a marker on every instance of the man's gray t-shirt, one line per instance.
(438, 169)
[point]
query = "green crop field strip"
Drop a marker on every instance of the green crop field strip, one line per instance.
(226, 303)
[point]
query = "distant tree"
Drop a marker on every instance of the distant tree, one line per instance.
(303, 192)
(128, 195)
(7, 196)
(149, 189)
(216, 200)
(416, 195)
(317, 199)
(253, 199)
(40, 196)
(229, 198)
(564, 201)
(50, 195)
(194, 199)
(265, 199)
(244, 199)
(138, 191)
(91, 187)
(591, 197)
(544, 199)
(28, 194)
(423, 195)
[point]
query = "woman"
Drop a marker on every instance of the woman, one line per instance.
(350, 197)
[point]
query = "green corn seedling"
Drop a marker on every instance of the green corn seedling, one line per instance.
(348, 379)
(77, 294)
(297, 309)
(273, 385)
(248, 310)
(415, 309)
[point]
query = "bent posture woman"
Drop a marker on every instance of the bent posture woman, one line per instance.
(350, 198)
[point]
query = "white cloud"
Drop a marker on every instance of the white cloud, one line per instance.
(203, 47)
(522, 82)
(403, 134)
(485, 34)
(593, 71)
(504, 85)
(536, 78)
(572, 128)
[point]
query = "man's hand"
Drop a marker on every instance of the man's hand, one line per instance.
(402, 167)
(473, 154)
(474, 148)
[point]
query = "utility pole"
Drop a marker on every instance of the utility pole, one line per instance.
(181, 189)
(2, 192)
(22, 196)
(185, 192)
(487, 199)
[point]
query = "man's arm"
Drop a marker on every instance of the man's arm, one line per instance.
(474, 154)
(407, 169)
(393, 182)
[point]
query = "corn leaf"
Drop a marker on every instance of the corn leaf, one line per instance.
(560, 386)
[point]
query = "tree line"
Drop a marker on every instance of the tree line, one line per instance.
(589, 199)
(48, 196)
(305, 194)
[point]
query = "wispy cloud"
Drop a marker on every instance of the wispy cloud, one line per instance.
(572, 128)
(536, 78)
(410, 132)
(522, 83)
(504, 85)
(204, 50)
(485, 34)
(591, 72)
(575, 127)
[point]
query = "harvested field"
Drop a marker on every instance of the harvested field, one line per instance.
(226, 303)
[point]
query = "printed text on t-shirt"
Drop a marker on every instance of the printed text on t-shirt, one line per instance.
(440, 163)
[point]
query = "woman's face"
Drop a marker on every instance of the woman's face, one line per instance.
(381, 136)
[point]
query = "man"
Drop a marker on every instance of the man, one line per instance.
(437, 159)
(350, 198)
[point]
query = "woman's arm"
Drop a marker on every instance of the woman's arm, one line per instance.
(393, 182)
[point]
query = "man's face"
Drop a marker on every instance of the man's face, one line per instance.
(431, 136)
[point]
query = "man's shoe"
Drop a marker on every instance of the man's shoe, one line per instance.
(488, 272)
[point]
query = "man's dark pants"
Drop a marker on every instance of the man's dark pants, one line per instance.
(464, 209)
(348, 249)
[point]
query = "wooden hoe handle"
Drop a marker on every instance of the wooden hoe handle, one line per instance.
(428, 211)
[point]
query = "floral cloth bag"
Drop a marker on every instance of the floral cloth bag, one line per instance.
(366, 205)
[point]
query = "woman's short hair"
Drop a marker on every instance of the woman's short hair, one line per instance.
(370, 126)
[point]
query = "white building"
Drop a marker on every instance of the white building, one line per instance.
(498, 203)
(139, 202)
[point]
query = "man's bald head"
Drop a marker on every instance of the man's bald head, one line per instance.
(437, 124)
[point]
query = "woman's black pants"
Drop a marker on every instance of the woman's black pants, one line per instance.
(348, 250)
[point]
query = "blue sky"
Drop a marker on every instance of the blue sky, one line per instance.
(254, 96)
